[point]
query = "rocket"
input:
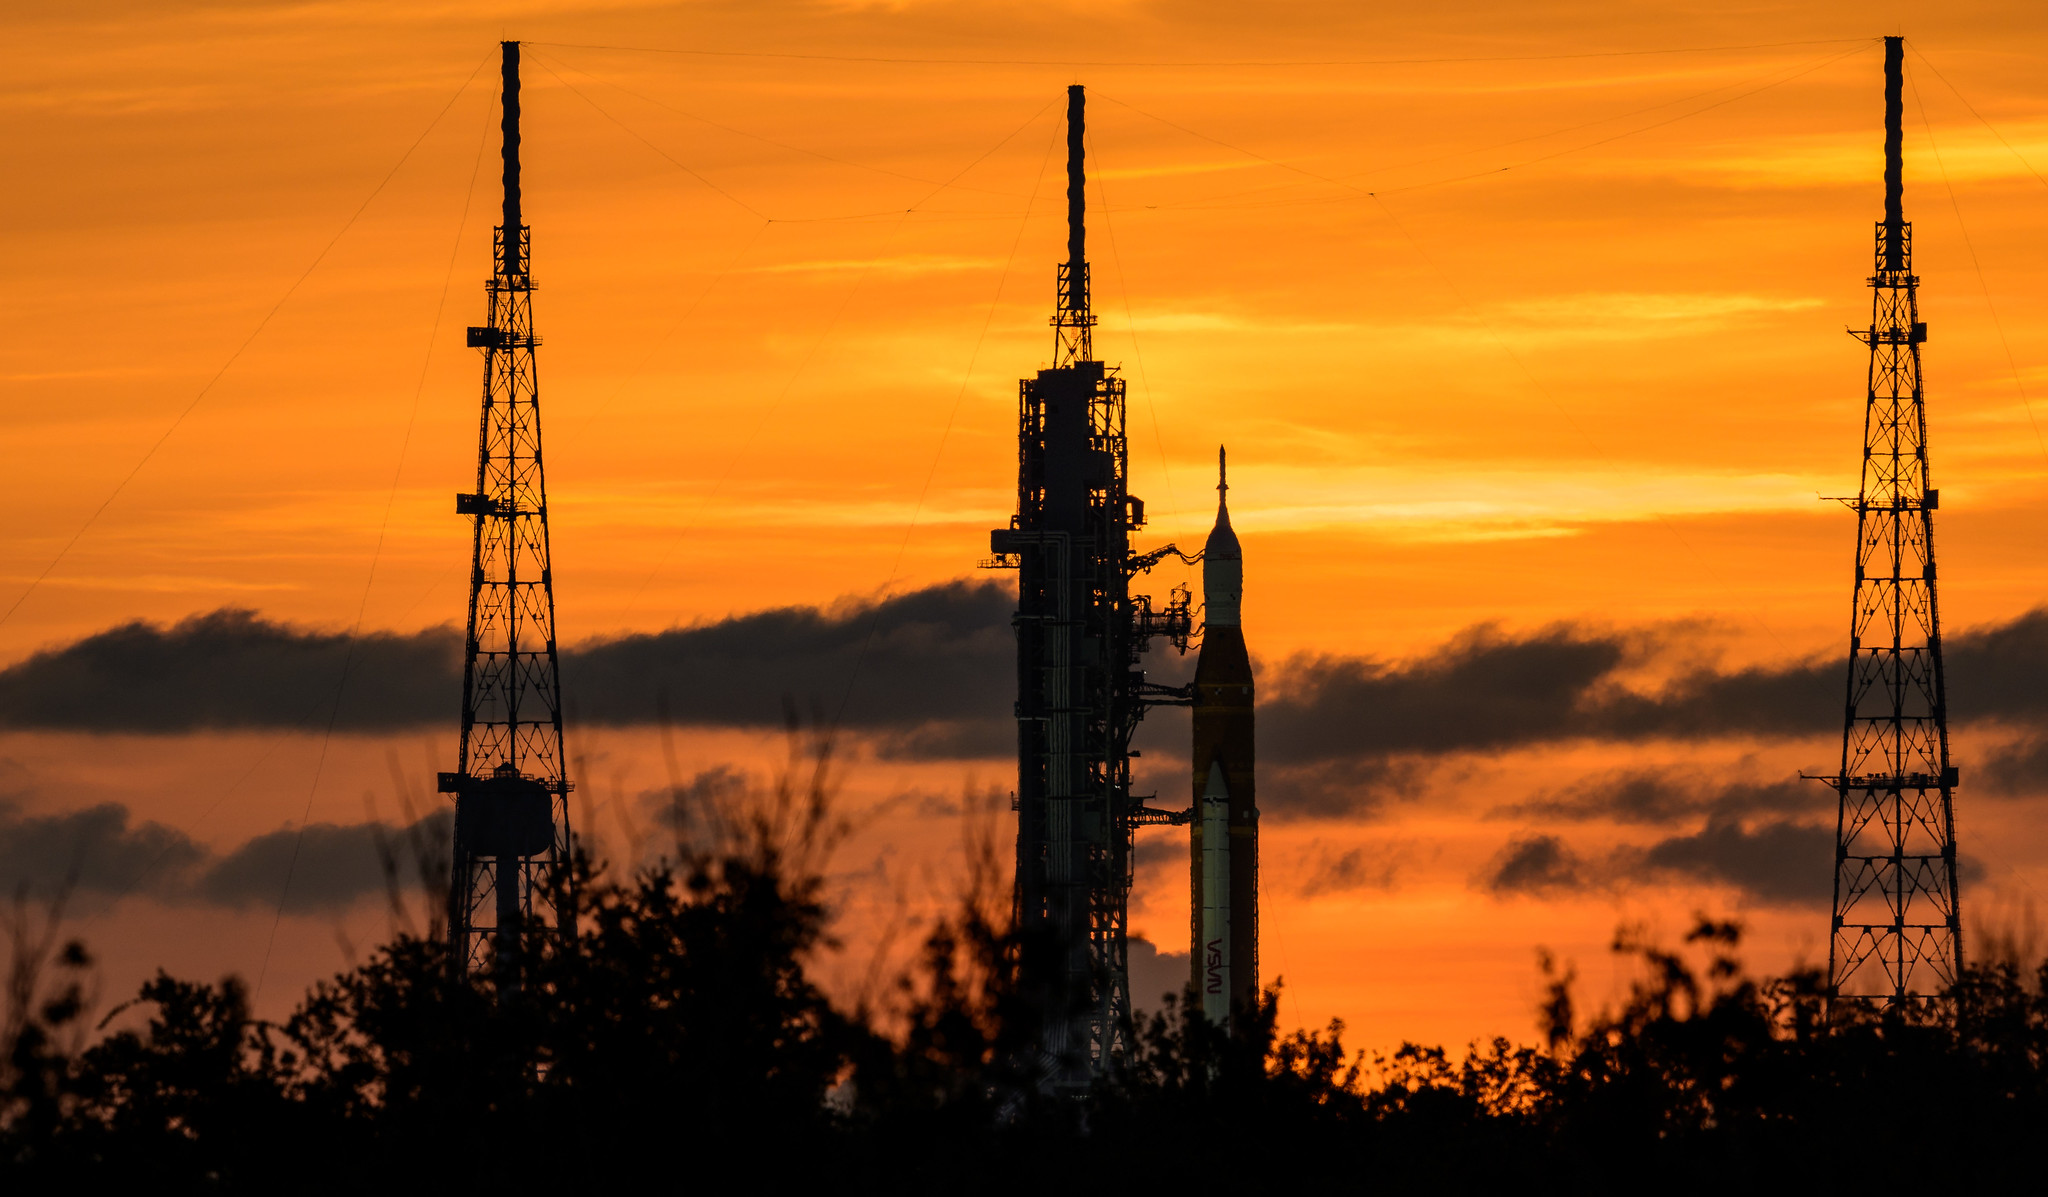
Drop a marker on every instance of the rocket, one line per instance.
(1224, 856)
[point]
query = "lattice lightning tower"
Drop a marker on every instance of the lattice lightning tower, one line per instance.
(1897, 932)
(512, 842)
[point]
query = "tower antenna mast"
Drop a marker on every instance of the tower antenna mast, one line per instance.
(1897, 928)
(511, 882)
(1073, 315)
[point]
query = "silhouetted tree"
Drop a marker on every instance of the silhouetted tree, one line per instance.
(680, 1035)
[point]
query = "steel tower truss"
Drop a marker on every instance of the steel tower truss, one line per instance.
(512, 842)
(1080, 691)
(1897, 932)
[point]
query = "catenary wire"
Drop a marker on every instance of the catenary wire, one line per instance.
(355, 631)
(783, 145)
(655, 347)
(1337, 181)
(1549, 396)
(234, 357)
(952, 414)
(293, 726)
(732, 463)
(1214, 202)
(1924, 61)
(749, 208)
(1983, 285)
(324, 251)
(1378, 199)
(1138, 353)
(1242, 63)
(671, 159)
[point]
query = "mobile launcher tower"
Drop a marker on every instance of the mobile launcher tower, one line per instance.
(1080, 691)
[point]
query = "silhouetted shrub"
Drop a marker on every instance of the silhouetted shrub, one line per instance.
(679, 1036)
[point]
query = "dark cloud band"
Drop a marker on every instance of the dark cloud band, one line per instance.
(101, 853)
(930, 674)
(1780, 862)
(234, 669)
(930, 665)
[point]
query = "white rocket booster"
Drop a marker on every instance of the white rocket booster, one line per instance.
(1224, 868)
(1215, 946)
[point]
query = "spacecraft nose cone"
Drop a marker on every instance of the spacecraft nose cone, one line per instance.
(1222, 560)
(1222, 543)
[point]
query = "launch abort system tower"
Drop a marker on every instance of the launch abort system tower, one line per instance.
(512, 844)
(1224, 839)
(1897, 931)
(1080, 693)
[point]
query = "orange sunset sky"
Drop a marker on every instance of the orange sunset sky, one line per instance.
(1524, 326)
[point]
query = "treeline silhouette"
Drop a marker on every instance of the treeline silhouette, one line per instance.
(680, 1040)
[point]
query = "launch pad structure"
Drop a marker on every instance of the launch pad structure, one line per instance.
(511, 877)
(1080, 692)
(1896, 933)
